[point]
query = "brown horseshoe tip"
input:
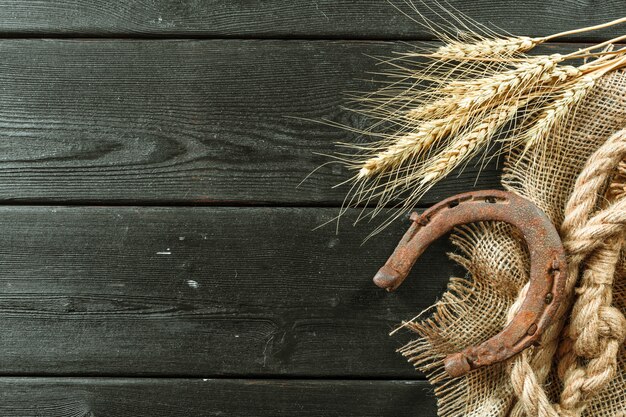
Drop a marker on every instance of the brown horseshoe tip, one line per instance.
(547, 268)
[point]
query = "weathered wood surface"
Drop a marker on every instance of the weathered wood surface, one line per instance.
(365, 19)
(180, 122)
(77, 397)
(133, 291)
(202, 291)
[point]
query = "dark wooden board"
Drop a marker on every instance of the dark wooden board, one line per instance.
(77, 397)
(203, 292)
(183, 122)
(365, 19)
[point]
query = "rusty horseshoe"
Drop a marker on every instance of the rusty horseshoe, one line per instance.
(547, 268)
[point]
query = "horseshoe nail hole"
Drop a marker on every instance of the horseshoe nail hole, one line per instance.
(555, 267)
(453, 204)
(491, 200)
(549, 298)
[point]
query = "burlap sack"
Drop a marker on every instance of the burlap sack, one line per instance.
(475, 307)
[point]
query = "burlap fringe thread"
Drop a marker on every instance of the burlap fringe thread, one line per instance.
(579, 369)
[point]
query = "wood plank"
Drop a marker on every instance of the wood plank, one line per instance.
(183, 122)
(203, 291)
(291, 18)
(71, 397)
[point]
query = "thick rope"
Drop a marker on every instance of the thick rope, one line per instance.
(596, 330)
(595, 333)
(584, 237)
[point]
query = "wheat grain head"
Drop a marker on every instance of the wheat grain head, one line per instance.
(467, 144)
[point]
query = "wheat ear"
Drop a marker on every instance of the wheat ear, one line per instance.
(505, 84)
(459, 95)
(499, 47)
(572, 94)
(557, 111)
(504, 47)
(437, 108)
(411, 145)
(466, 145)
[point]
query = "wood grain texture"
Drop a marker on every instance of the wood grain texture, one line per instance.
(77, 397)
(365, 19)
(203, 292)
(184, 122)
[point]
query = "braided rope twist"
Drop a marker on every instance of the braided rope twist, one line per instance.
(588, 353)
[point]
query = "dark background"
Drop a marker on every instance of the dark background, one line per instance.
(156, 256)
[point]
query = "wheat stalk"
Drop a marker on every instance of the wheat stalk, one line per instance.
(568, 98)
(467, 100)
(459, 95)
(443, 114)
(437, 108)
(410, 146)
(539, 69)
(427, 172)
(486, 92)
(465, 146)
(509, 85)
(557, 111)
(495, 47)
(504, 47)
